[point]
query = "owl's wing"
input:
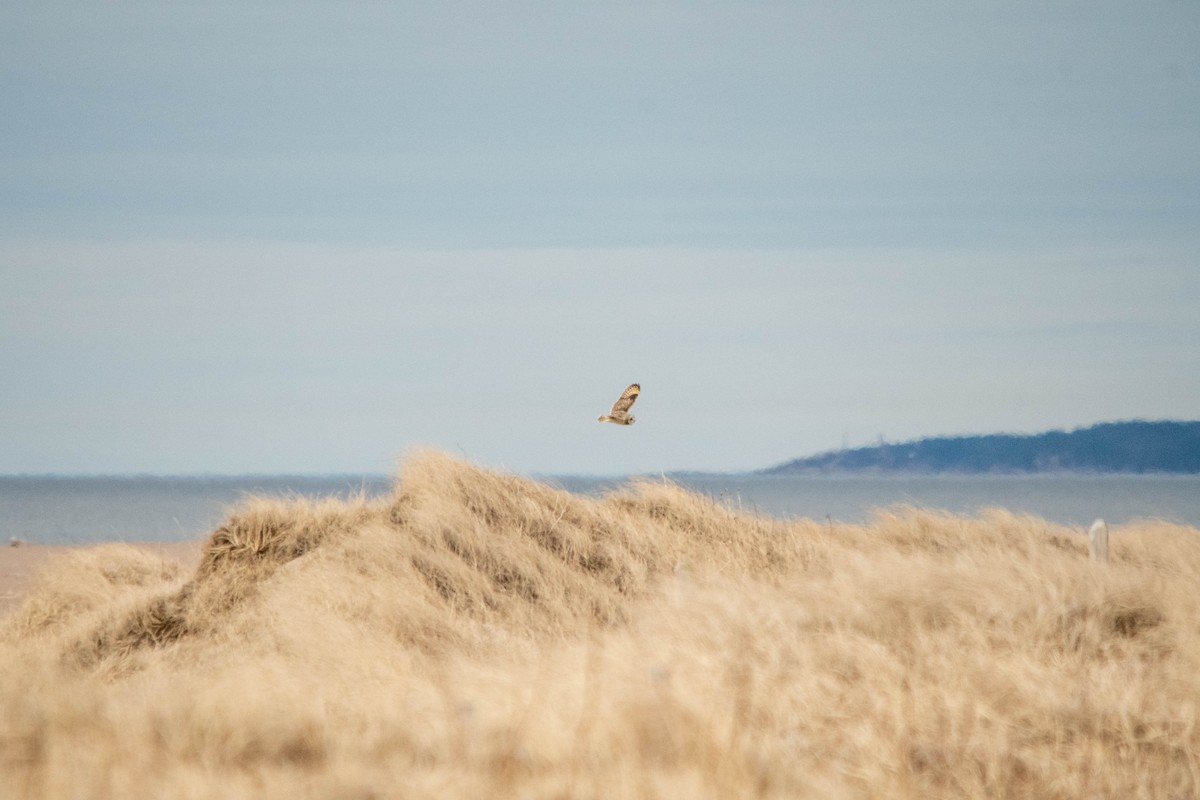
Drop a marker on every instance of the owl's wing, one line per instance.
(626, 401)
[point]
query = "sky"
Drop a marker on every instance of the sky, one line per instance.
(311, 237)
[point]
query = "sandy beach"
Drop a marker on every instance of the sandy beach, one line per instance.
(19, 564)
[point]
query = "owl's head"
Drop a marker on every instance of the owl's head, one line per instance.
(632, 419)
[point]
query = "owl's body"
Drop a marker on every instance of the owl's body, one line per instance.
(619, 415)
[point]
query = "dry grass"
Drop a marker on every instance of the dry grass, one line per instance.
(482, 635)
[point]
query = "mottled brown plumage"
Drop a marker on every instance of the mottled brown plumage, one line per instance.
(620, 411)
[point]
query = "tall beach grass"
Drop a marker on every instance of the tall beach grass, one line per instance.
(478, 634)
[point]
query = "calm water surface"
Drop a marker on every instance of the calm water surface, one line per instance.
(1067, 499)
(77, 510)
(69, 510)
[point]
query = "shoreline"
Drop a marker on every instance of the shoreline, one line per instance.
(20, 564)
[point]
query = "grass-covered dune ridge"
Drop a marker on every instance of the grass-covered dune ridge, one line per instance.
(479, 634)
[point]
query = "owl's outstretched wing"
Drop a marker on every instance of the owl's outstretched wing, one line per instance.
(626, 400)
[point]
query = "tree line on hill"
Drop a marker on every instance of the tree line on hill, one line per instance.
(1136, 446)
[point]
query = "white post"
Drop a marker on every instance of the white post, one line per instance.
(1098, 540)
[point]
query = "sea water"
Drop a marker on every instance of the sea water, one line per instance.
(78, 510)
(81, 510)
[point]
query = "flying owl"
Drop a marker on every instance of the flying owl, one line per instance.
(620, 411)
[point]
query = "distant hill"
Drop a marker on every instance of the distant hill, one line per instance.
(1134, 446)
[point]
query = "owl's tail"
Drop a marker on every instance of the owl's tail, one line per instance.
(603, 418)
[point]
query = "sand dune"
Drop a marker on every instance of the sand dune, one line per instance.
(482, 635)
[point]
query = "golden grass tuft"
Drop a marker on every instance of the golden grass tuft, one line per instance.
(478, 634)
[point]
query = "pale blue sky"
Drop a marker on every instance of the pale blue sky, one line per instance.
(307, 237)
